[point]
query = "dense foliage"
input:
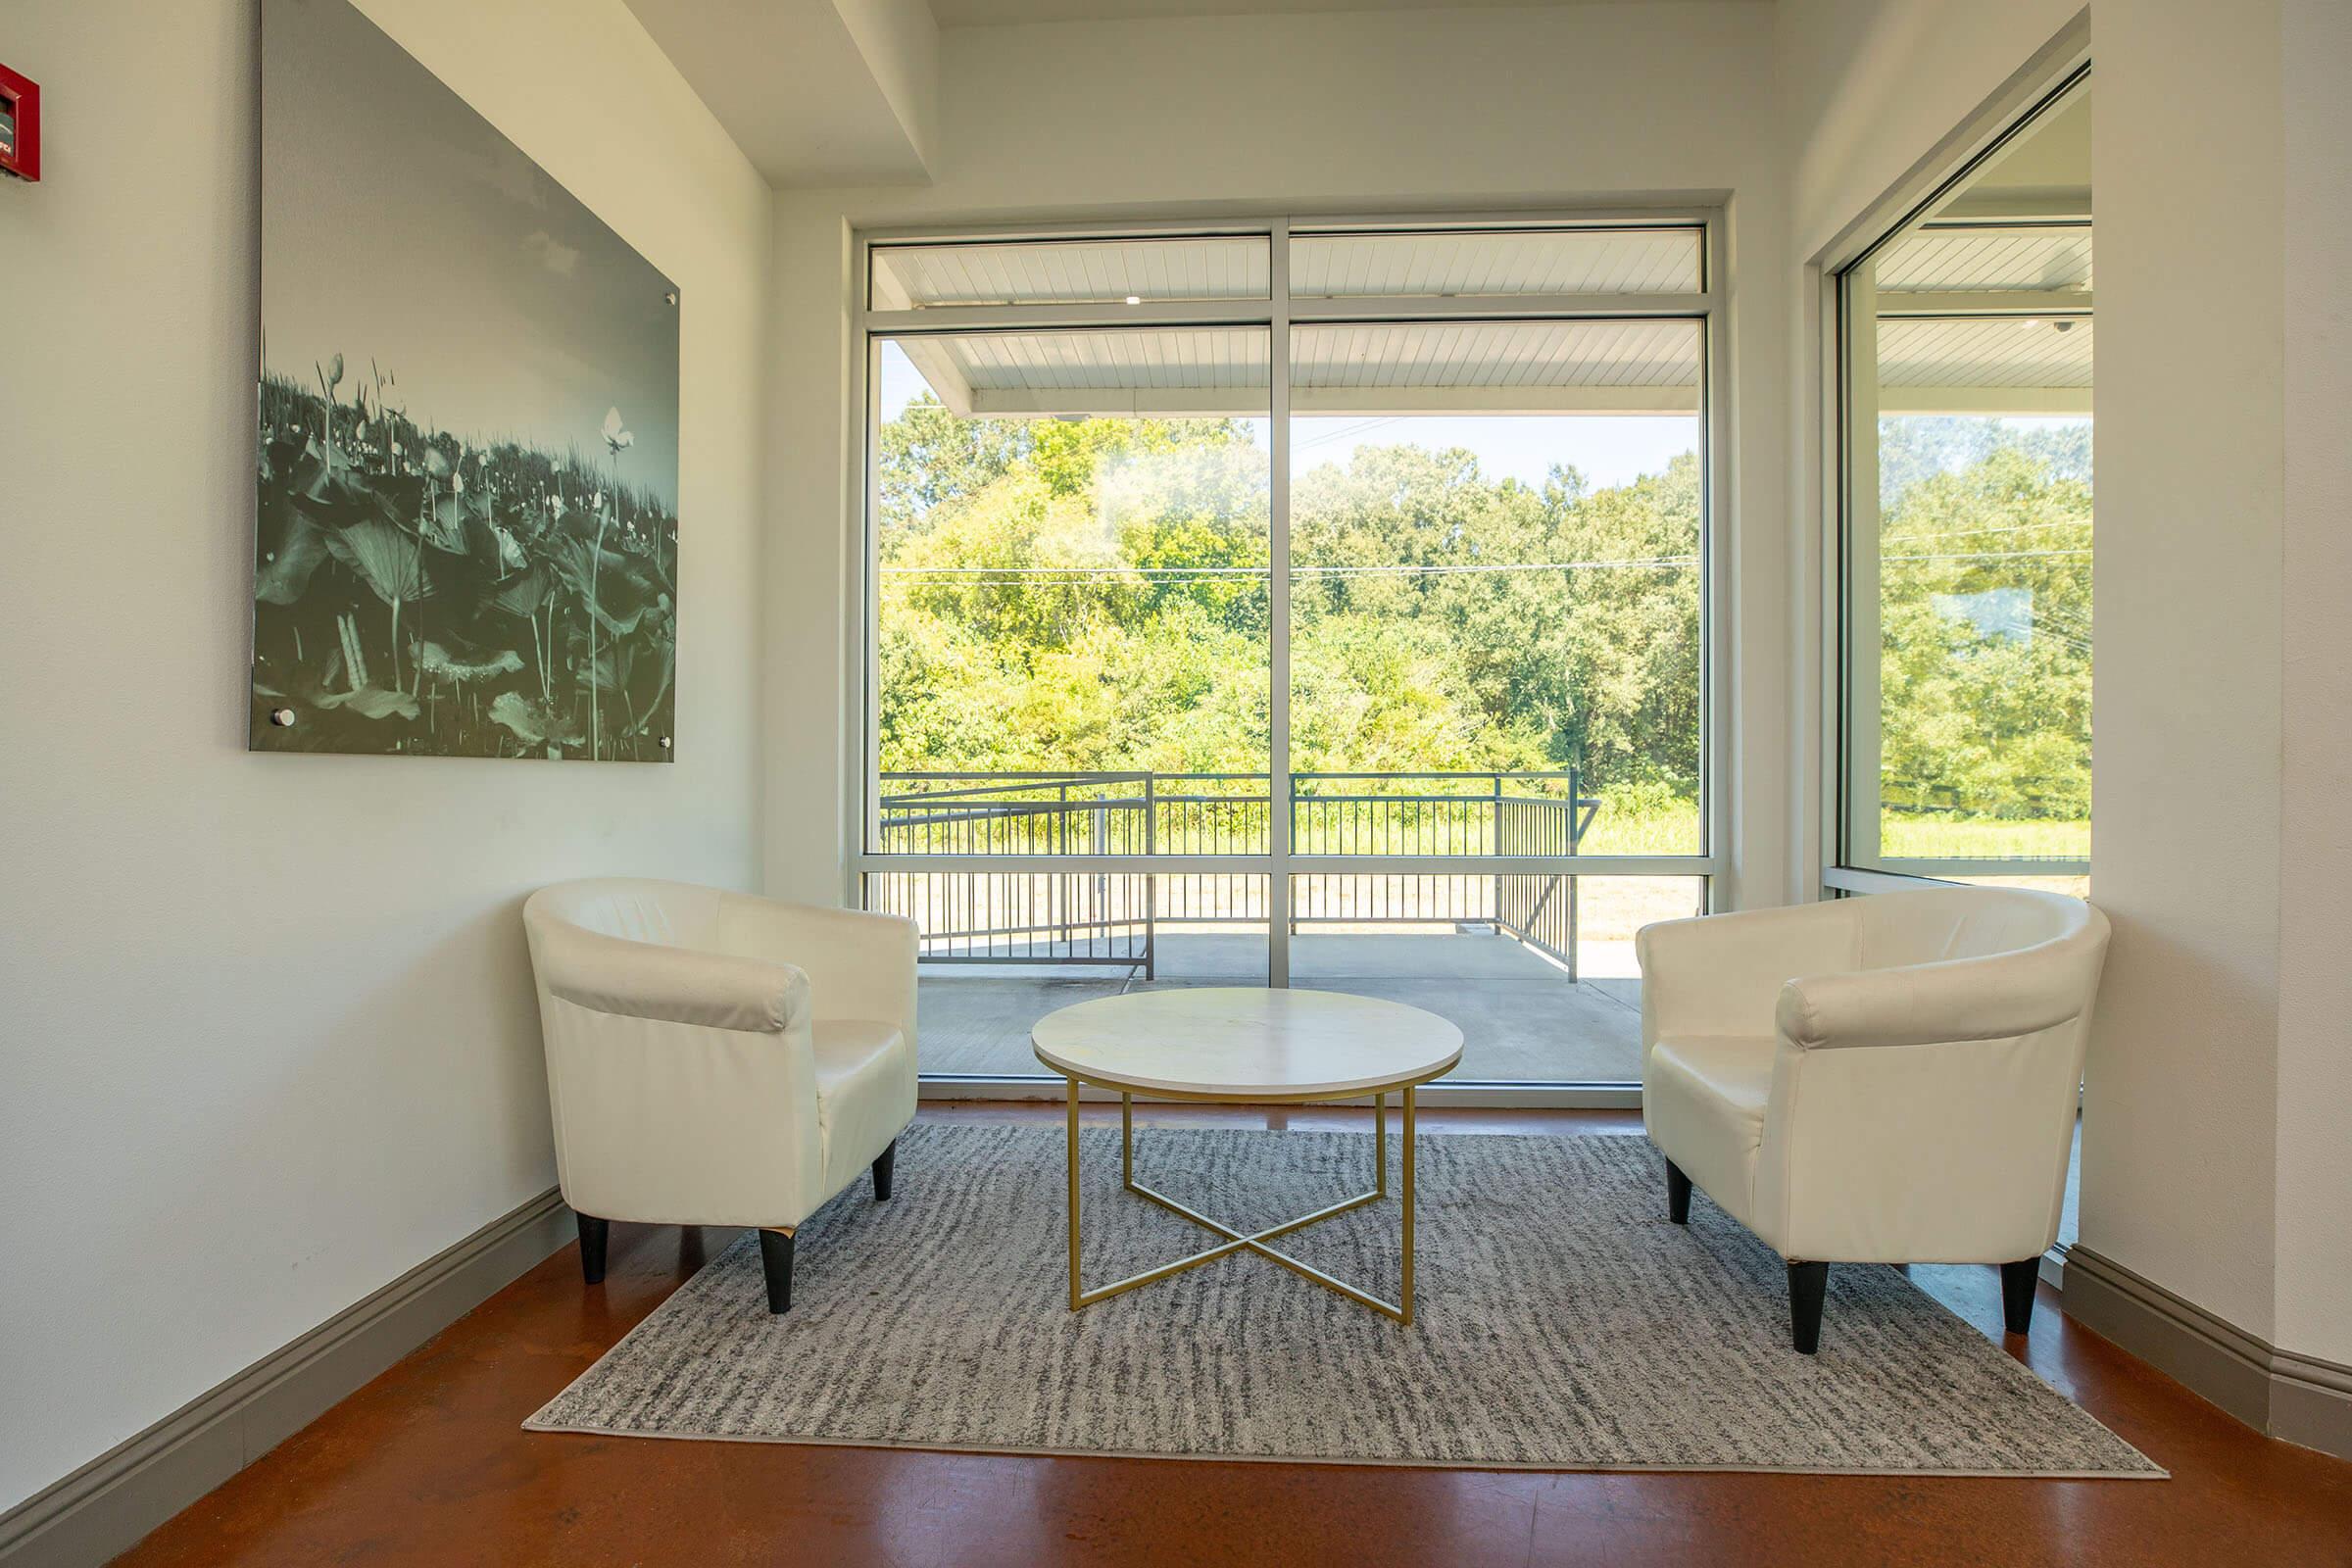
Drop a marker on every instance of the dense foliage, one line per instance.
(1984, 630)
(1092, 593)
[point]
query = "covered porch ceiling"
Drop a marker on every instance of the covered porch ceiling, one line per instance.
(1972, 317)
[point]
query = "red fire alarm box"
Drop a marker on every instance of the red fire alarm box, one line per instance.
(20, 126)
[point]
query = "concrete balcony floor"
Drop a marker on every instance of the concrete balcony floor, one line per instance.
(1523, 1020)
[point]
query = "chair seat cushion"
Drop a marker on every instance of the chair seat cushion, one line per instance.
(863, 1093)
(1703, 1100)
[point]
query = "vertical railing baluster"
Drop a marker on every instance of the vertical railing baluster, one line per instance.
(1497, 848)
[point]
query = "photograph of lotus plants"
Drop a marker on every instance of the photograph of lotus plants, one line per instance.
(465, 526)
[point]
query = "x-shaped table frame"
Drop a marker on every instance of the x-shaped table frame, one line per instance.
(1237, 1242)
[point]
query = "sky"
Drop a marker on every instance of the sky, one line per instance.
(1608, 449)
(399, 226)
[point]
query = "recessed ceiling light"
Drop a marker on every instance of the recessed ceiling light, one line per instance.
(1134, 299)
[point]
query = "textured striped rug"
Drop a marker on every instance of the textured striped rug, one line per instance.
(1562, 1323)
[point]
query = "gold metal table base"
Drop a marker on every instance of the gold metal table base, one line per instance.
(1236, 1241)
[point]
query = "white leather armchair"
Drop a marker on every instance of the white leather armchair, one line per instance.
(1887, 1079)
(715, 1058)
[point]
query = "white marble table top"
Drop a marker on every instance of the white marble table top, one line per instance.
(1243, 1042)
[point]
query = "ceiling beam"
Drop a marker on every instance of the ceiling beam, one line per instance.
(1959, 303)
(1242, 403)
(815, 92)
(2021, 400)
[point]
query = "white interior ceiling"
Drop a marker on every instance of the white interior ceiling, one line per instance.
(815, 92)
(846, 92)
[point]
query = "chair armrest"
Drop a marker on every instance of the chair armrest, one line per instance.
(1995, 998)
(674, 985)
(859, 965)
(1720, 974)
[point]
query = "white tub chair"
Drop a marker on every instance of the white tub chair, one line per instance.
(1887, 1079)
(715, 1058)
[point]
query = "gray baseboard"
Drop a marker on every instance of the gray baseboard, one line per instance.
(106, 1507)
(2300, 1399)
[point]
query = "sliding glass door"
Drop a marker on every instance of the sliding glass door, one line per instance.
(1318, 606)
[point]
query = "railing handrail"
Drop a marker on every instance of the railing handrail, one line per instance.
(1483, 773)
(1077, 775)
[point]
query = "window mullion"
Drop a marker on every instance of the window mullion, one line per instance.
(1278, 614)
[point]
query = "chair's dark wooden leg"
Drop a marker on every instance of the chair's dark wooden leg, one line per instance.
(882, 1168)
(775, 1260)
(1807, 1284)
(592, 1232)
(1678, 1195)
(2017, 1294)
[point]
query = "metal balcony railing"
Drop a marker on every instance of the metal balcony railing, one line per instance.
(1112, 916)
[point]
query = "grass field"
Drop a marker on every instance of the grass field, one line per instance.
(1940, 837)
(1672, 827)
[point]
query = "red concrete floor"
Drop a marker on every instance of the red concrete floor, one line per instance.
(428, 1464)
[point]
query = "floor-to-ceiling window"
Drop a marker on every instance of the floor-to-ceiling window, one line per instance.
(1964, 628)
(1966, 524)
(1321, 605)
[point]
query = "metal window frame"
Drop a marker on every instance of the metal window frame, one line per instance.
(1706, 307)
(1843, 871)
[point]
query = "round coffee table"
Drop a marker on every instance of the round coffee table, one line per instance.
(1238, 1044)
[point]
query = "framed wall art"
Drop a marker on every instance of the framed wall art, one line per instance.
(465, 521)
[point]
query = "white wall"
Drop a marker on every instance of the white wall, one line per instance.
(1364, 111)
(2314, 1002)
(2179, 1134)
(268, 1034)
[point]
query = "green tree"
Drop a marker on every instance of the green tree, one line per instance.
(1984, 640)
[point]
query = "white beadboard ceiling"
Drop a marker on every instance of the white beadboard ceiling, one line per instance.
(1428, 265)
(1989, 317)
(1070, 272)
(1642, 366)
(1647, 366)
(1992, 365)
(1473, 264)
(1994, 352)
(1977, 259)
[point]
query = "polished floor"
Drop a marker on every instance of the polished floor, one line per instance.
(429, 1465)
(1523, 1019)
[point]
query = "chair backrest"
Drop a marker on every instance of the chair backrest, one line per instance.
(672, 914)
(1936, 924)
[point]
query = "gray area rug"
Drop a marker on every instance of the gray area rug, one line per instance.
(1562, 1323)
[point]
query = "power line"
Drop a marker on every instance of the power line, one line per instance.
(2016, 527)
(1361, 427)
(1991, 555)
(1021, 573)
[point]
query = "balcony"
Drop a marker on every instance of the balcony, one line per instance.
(1535, 969)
